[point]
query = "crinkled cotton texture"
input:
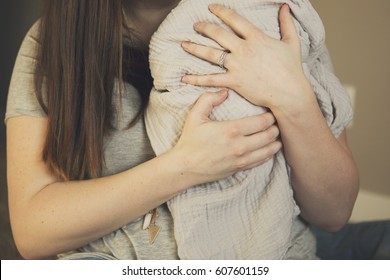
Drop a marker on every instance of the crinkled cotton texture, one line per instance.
(248, 215)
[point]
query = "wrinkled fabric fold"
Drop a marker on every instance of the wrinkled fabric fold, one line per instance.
(250, 214)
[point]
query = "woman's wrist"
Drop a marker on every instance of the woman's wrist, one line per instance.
(296, 103)
(174, 164)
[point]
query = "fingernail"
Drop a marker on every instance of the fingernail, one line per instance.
(185, 44)
(212, 7)
(197, 25)
(223, 92)
(184, 79)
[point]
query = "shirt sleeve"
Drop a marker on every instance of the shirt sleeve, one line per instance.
(21, 94)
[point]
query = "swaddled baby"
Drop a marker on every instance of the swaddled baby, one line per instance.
(250, 214)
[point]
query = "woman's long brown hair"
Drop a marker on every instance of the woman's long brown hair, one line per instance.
(79, 58)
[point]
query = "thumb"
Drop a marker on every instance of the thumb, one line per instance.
(201, 111)
(287, 27)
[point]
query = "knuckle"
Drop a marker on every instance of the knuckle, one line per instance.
(246, 50)
(269, 135)
(267, 120)
(272, 133)
(239, 151)
(196, 80)
(271, 118)
(209, 79)
(233, 131)
(269, 152)
(276, 130)
(233, 16)
(262, 122)
(257, 35)
(242, 163)
(277, 145)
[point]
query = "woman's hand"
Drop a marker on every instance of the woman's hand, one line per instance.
(265, 71)
(268, 72)
(211, 150)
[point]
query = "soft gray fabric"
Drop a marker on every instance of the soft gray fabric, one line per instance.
(252, 214)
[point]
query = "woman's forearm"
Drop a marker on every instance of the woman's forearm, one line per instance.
(49, 216)
(323, 173)
(67, 215)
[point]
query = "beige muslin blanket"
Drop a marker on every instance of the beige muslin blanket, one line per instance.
(250, 214)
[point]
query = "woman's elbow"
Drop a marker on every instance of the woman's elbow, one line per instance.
(334, 223)
(336, 219)
(330, 221)
(23, 245)
(334, 226)
(27, 253)
(30, 244)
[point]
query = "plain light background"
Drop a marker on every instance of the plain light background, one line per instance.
(358, 38)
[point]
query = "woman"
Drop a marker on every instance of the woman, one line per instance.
(81, 172)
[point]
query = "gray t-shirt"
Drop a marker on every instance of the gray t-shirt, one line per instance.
(123, 149)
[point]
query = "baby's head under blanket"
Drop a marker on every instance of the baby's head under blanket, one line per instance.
(169, 62)
(170, 99)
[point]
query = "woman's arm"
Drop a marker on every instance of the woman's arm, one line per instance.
(268, 72)
(50, 217)
(323, 172)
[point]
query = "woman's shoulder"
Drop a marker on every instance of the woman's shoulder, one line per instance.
(21, 94)
(31, 40)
